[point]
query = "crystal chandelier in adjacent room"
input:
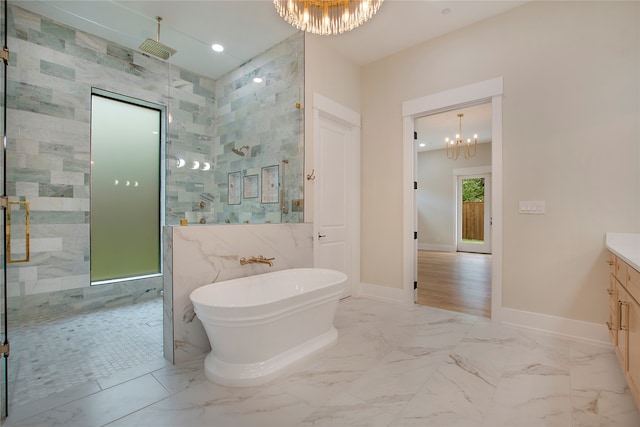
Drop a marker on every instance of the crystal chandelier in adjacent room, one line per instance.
(455, 145)
(327, 16)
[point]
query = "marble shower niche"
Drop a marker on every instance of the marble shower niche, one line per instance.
(197, 255)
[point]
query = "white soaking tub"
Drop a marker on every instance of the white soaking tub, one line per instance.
(260, 325)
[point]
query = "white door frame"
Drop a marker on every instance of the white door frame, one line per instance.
(335, 111)
(489, 90)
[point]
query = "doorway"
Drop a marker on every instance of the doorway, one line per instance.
(473, 213)
(482, 92)
(453, 200)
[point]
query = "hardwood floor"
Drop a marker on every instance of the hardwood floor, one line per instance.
(455, 281)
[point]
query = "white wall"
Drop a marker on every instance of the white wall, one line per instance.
(570, 137)
(435, 198)
(334, 77)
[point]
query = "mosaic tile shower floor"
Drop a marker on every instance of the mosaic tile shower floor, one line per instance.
(51, 356)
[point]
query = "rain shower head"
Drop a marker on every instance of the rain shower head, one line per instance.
(155, 48)
(239, 151)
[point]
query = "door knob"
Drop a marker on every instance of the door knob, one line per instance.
(320, 236)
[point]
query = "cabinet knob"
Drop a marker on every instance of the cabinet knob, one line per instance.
(610, 291)
(610, 262)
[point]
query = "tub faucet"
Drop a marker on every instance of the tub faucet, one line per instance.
(259, 260)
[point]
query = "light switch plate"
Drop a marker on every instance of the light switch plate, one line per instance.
(532, 207)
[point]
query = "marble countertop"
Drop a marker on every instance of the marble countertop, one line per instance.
(625, 246)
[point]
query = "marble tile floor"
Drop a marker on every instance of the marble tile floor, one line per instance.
(52, 355)
(393, 366)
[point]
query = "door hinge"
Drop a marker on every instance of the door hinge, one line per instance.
(4, 349)
(415, 285)
(5, 55)
(415, 135)
(4, 202)
(415, 235)
(415, 185)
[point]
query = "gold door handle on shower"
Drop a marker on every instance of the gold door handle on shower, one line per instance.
(27, 232)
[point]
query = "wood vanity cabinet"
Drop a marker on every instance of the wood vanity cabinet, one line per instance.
(612, 290)
(624, 319)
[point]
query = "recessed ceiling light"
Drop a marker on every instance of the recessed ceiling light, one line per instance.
(217, 47)
(257, 79)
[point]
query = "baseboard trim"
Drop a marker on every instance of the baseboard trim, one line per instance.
(439, 248)
(382, 293)
(567, 328)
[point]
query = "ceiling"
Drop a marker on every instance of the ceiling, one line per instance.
(249, 27)
(432, 130)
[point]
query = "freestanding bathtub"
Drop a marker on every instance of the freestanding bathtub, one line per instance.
(260, 325)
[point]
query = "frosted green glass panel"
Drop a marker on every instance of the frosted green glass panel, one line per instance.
(125, 190)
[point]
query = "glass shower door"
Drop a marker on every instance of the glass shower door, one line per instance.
(4, 390)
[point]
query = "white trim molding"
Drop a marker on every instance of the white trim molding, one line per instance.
(478, 170)
(435, 247)
(382, 293)
(560, 326)
(472, 93)
(336, 110)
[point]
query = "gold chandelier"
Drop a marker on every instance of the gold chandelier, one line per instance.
(453, 146)
(327, 16)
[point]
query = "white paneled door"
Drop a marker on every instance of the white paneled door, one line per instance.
(333, 192)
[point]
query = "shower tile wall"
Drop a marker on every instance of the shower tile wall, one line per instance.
(266, 117)
(51, 73)
(52, 70)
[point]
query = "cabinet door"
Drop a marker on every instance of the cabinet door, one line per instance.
(623, 330)
(612, 322)
(633, 283)
(621, 270)
(611, 261)
(632, 317)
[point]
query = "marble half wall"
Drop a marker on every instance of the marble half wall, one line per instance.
(197, 255)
